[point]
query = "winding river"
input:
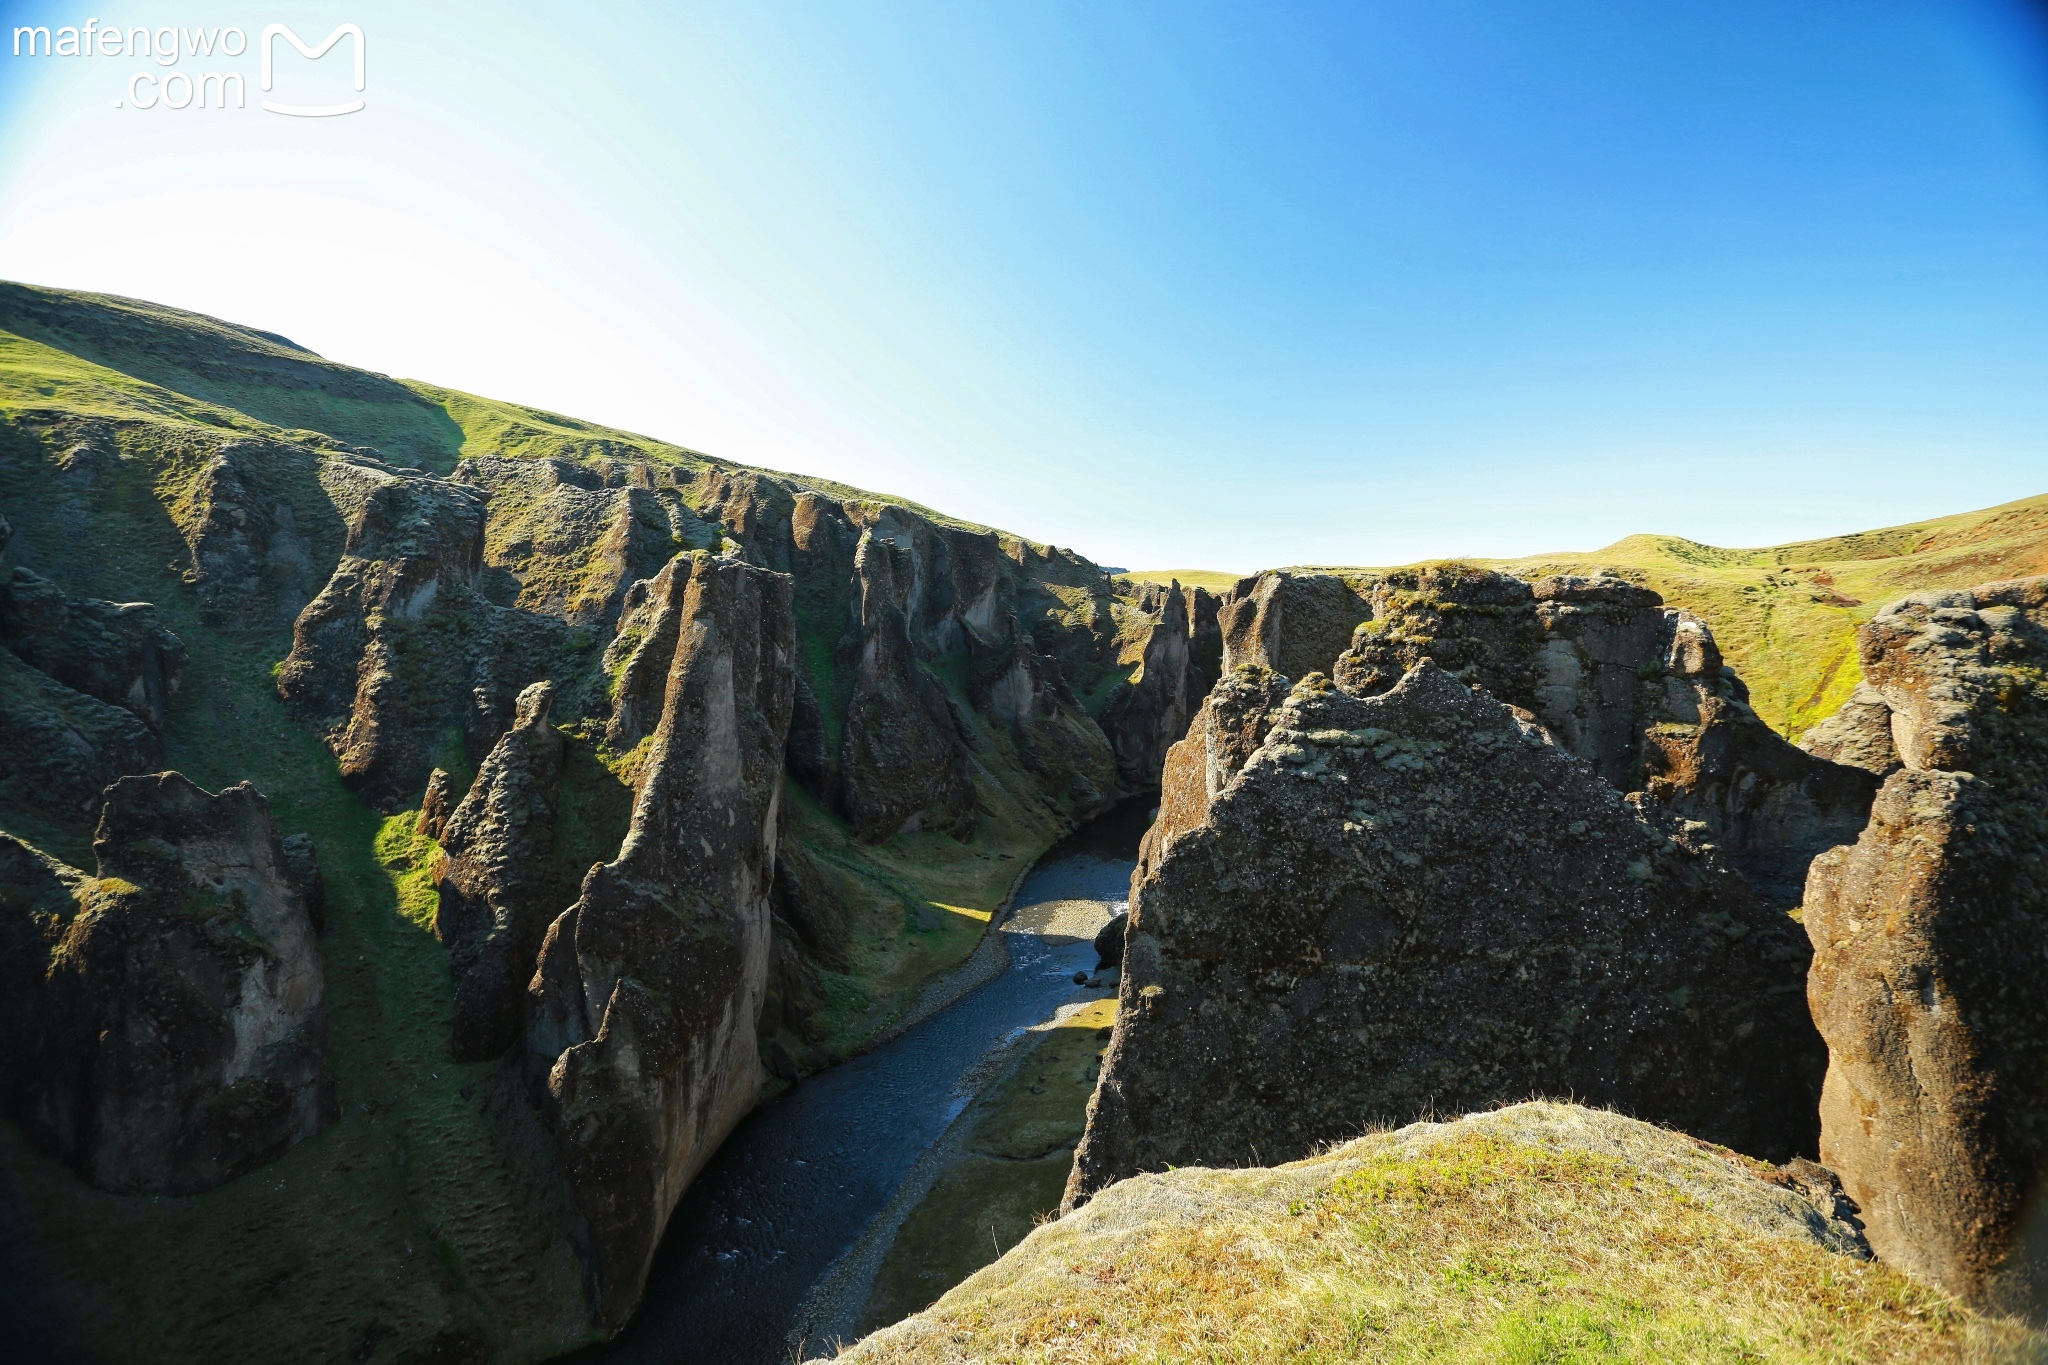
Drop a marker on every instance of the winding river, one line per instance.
(799, 1181)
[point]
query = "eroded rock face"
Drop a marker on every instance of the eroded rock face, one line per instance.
(1355, 910)
(83, 685)
(115, 651)
(1293, 623)
(1025, 692)
(1929, 957)
(401, 649)
(1860, 734)
(1636, 689)
(1149, 716)
(495, 879)
(904, 757)
(179, 1036)
(645, 1007)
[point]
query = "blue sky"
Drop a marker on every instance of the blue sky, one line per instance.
(1178, 285)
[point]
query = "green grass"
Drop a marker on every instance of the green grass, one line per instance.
(419, 1216)
(1786, 615)
(1009, 1175)
(1487, 1240)
(1215, 580)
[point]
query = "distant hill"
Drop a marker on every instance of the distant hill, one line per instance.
(1215, 580)
(1786, 615)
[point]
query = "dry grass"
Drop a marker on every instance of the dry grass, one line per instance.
(1542, 1233)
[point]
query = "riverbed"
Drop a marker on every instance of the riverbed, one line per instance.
(802, 1179)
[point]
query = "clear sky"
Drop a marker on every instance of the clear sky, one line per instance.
(1177, 284)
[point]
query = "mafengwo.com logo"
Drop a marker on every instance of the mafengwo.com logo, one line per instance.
(287, 87)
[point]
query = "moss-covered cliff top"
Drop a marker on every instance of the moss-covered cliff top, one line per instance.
(1539, 1232)
(1786, 615)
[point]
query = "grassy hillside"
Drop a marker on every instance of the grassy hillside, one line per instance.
(422, 1224)
(1786, 615)
(1537, 1233)
(1215, 580)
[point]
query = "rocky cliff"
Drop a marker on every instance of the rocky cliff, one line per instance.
(1333, 881)
(494, 881)
(1635, 688)
(1928, 937)
(649, 989)
(175, 1036)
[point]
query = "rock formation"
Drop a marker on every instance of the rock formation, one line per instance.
(400, 649)
(1292, 622)
(1146, 718)
(1636, 689)
(177, 1035)
(83, 687)
(1929, 956)
(495, 881)
(1356, 910)
(115, 651)
(644, 1010)
(904, 764)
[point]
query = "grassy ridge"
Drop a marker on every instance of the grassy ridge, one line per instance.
(1538, 1233)
(1215, 580)
(1786, 615)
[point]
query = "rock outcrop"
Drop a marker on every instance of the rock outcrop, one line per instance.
(1636, 689)
(1930, 940)
(83, 687)
(115, 651)
(495, 879)
(1292, 622)
(904, 761)
(645, 1007)
(1146, 718)
(401, 649)
(1357, 910)
(177, 1036)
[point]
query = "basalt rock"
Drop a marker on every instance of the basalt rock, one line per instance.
(261, 535)
(1636, 689)
(59, 748)
(180, 1036)
(570, 539)
(115, 651)
(1860, 734)
(1418, 901)
(1146, 718)
(1024, 692)
(1930, 940)
(401, 648)
(1293, 623)
(643, 1013)
(494, 879)
(904, 757)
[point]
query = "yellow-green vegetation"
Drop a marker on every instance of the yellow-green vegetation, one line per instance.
(1541, 1232)
(1786, 615)
(1215, 580)
(917, 905)
(419, 1216)
(1009, 1173)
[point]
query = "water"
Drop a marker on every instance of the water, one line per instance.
(800, 1178)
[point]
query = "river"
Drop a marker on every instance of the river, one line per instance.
(803, 1176)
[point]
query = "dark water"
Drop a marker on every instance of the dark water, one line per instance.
(799, 1180)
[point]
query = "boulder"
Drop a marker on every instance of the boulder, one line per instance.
(495, 879)
(1292, 622)
(179, 1037)
(1109, 941)
(1859, 735)
(1929, 956)
(1358, 910)
(643, 1012)
(1636, 689)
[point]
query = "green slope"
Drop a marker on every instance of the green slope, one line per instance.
(1786, 615)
